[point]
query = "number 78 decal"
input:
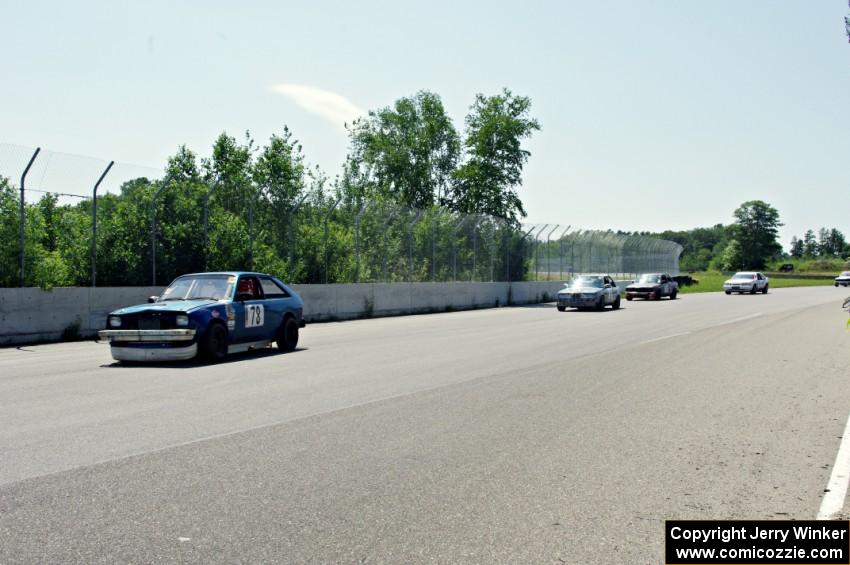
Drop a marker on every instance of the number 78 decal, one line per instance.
(254, 315)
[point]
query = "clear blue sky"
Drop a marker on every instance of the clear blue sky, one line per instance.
(655, 115)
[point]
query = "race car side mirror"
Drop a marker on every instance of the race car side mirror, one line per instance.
(152, 299)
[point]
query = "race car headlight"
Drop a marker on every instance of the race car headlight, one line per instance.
(114, 321)
(182, 320)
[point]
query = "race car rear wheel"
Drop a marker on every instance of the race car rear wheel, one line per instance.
(616, 304)
(287, 335)
(673, 296)
(561, 308)
(764, 290)
(214, 343)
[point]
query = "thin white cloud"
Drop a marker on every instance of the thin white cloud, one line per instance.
(331, 106)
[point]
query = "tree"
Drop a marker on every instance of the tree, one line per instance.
(796, 247)
(495, 129)
(230, 169)
(279, 171)
(810, 244)
(732, 257)
(405, 153)
(756, 229)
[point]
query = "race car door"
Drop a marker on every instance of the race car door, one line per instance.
(250, 310)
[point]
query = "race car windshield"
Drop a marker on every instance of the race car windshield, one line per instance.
(650, 278)
(215, 287)
(745, 277)
(584, 282)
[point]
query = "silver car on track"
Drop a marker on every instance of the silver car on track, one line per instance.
(589, 291)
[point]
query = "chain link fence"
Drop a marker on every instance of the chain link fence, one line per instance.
(141, 227)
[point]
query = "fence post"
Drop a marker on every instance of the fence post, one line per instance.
(474, 249)
(548, 236)
(561, 252)
(454, 247)
(410, 245)
(163, 183)
(434, 247)
(522, 246)
(289, 232)
(357, 241)
(207, 196)
(384, 229)
(94, 225)
(508, 242)
(23, 213)
(536, 244)
(327, 219)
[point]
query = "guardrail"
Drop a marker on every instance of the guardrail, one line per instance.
(31, 315)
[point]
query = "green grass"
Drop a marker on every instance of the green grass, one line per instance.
(713, 282)
(813, 266)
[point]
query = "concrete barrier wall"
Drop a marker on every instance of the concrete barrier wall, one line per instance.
(29, 315)
(348, 301)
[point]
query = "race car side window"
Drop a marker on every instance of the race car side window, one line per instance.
(271, 289)
(249, 289)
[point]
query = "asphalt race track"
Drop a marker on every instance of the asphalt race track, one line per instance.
(512, 435)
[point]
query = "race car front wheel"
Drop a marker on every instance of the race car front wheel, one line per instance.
(214, 344)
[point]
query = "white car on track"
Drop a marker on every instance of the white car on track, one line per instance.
(589, 291)
(843, 279)
(747, 281)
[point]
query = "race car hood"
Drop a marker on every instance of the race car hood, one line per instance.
(167, 306)
(584, 289)
(643, 286)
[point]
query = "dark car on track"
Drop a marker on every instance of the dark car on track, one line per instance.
(207, 314)
(653, 286)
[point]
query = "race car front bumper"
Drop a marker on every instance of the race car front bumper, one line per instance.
(148, 335)
(154, 353)
(151, 345)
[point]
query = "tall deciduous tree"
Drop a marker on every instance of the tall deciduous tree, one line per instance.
(732, 257)
(810, 244)
(756, 229)
(230, 167)
(280, 171)
(487, 182)
(406, 152)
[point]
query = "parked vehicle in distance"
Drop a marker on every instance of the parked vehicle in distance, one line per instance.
(787, 268)
(746, 281)
(653, 286)
(207, 314)
(843, 279)
(589, 291)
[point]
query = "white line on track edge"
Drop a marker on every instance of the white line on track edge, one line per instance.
(665, 337)
(736, 320)
(836, 488)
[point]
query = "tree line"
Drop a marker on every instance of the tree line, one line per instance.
(398, 209)
(751, 242)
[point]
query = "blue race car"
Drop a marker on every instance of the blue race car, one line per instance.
(207, 314)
